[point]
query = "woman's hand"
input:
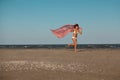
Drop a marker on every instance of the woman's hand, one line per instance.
(80, 31)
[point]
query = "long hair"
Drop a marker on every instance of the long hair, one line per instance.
(76, 25)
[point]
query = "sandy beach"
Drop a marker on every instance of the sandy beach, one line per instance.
(59, 64)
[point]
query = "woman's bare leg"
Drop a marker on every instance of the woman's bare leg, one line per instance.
(75, 45)
(70, 44)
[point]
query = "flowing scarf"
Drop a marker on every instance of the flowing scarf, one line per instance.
(62, 31)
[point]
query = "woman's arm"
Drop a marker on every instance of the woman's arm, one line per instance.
(80, 31)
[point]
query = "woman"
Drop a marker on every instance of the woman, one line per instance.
(75, 31)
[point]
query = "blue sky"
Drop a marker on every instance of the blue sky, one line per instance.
(30, 21)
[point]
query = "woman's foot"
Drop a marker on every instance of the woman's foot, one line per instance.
(68, 45)
(75, 50)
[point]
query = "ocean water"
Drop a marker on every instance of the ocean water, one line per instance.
(61, 46)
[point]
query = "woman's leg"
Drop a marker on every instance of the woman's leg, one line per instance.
(75, 44)
(72, 43)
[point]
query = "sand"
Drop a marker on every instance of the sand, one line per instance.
(59, 64)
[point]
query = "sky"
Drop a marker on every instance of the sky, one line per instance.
(30, 21)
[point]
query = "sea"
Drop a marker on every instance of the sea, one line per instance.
(60, 46)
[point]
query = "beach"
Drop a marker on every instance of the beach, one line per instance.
(59, 64)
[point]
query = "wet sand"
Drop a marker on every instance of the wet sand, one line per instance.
(59, 64)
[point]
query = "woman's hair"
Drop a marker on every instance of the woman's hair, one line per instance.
(76, 25)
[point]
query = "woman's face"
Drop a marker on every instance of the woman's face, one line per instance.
(77, 27)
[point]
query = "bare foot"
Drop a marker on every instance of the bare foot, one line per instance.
(75, 51)
(68, 45)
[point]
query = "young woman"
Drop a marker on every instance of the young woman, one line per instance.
(75, 31)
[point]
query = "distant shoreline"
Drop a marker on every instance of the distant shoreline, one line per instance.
(60, 46)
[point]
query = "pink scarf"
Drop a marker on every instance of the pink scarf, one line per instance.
(62, 31)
